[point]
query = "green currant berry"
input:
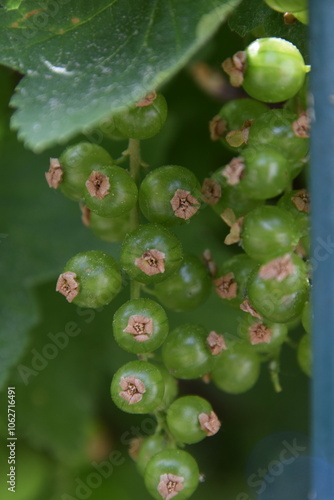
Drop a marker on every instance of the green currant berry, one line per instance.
(143, 120)
(236, 370)
(110, 191)
(304, 354)
(171, 388)
(261, 172)
(231, 283)
(137, 387)
(140, 325)
(111, 229)
(187, 288)
(186, 352)
(268, 232)
(299, 8)
(275, 70)
(90, 279)
(278, 290)
(150, 253)
(172, 473)
(77, 162)
(232, 123)
(306, 317)
(297, 203)
(191, 418)
(279, 128)
(150, 447)
(170, 195)
(109, 129)
(265, 337)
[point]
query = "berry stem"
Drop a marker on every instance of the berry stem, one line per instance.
(274, 374)
(135, 159)
(135, 290)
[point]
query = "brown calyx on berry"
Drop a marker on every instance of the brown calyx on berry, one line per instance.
(217, 128)
(151, 262)
(209, 262)
(301, 200)
(147, 100)
(209, 422)
(216, 343)
(234, 235)
(170, 485)
(235, 67)
(259, 333)
(67, 285)
(211, 191)
(85, 215)
(98, 185)
(184, 204)
(233, 172)
(140, 327)
(55, 174)
(248, 308)
(289, 18)
(226, 286)
(132, 389)
(302, 126)
(278, 269)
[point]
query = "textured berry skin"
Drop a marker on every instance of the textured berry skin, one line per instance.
(274, 129)
(150, 447)
(280, 301)
(98, 276)
(78, 162)
(122, 195)
(186, 353)
(182, 418)
(158, 327)
(279, 333)
(268, 232)
(152, 379)
(266, 173)
(111, 229)
(158, 189)
(144, 239)
(142, 122)
(304, 354)
(241, 266)
(236, 370)
(187, 288)
(275, 70)
(176, 462)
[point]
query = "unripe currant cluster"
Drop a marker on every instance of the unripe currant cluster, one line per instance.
(268, 283)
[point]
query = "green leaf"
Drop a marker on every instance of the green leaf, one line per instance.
(85, 60)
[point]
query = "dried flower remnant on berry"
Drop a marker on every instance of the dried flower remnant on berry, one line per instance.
(98, 185)
(209, 262)
(184, 204)
(226, 286)
(248, 308)
(235, 68)
(140, 327)
(170, 485)
(209, 422)
(233, 172)
(234, 236)
(211, 191)
(147, 100)
(278, 269)
(151, 262)
(216, 343)
(132, 389)
(259, 333)
(85, 215)
(55, 174)
(302, 126)
(67, 285)
(289, 18)
(217, 128)
(301, 200)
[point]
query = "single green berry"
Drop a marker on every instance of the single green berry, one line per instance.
(304, 354)
(191, 418)
(137, 387)
(150, 253)
(265, 337)
(170, 195)
(298, 204)
(150, 447)
(110, 191)
(172, 473)
(187, 288)
(144, 119)
(111, 229)
(268, 232)
(236, 370)
(186, 352)
(140, 325)
(231, 283)
(90, 279)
